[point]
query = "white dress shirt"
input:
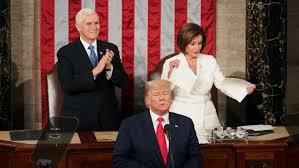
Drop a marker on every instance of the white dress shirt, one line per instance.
(154, 117)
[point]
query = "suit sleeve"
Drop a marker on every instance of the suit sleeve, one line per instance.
(195, 156)
(119, 76)
(69, 82)
(123, 148)
(165, 70)
(231, 87)
(218, 75)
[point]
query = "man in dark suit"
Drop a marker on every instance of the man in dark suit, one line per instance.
(88, 70)
(141, 143)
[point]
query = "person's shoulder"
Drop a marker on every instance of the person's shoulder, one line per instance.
(178, 56)
(180, 117)
(182, 120)
(135, 119)
(107, 44)
(69, 47)
(205, 58)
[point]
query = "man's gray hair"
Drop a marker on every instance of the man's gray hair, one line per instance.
(82, 12)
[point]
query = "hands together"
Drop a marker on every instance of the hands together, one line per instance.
(104, 63)
(108, 56)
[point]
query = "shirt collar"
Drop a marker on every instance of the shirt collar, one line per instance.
(154, 117)
(86, 45)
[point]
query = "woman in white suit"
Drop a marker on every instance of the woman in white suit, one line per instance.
(203, 71)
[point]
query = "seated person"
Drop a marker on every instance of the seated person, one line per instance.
(142, 143)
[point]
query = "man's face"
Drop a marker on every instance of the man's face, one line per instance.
(89, 28)
(159, 99)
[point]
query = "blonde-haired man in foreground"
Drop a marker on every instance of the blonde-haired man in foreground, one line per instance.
(142, 142)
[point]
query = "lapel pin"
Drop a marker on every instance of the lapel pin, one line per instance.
(176, 126)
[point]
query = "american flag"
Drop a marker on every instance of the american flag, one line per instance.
(143, 30)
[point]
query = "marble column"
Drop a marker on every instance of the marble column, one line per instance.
(25, 64)
(4, 66)
(292, 96)
(266, 60)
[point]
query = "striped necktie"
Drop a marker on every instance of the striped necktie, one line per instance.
(93, 56)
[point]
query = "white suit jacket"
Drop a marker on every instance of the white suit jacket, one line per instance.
(197, 103)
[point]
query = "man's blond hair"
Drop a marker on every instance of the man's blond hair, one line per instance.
(157, 84)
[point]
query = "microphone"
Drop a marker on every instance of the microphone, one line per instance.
(167, 131)
(168, 134)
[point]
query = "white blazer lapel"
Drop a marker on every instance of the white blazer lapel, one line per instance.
(183, 76)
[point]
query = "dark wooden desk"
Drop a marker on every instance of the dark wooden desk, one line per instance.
(279, 153)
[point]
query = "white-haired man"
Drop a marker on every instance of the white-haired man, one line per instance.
(88, 70)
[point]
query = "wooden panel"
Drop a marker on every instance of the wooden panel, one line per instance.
(6, 158)
(293, 157)
(261, 159)
(91, 159)
(259, 164)
(23, 159)
(219, 159)
(268, 154)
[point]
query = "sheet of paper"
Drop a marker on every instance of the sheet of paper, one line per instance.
(106, 136)
(202, 139)
(258, 127)
(183, 78)
(234, 88)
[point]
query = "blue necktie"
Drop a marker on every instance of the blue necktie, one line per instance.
(93, 57)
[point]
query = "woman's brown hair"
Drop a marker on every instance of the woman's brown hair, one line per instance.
(187, 32)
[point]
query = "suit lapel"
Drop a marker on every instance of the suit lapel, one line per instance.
(83, 54)
(100, 49)
(184, 63)
(173, 125)
(150, 135)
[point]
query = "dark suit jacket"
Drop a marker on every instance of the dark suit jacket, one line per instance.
(92, 101)
(137, 146)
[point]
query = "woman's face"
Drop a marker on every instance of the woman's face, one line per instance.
(194, 47)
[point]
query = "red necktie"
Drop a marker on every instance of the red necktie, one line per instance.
(161, 139)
